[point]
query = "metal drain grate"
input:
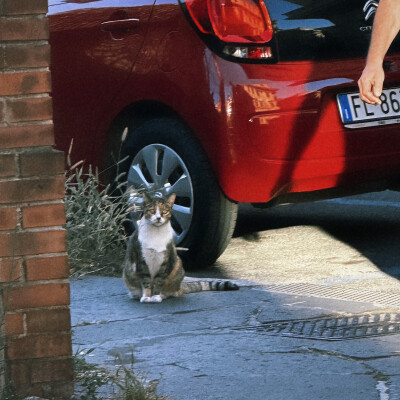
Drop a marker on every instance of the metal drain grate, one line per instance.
(332, 327)
(313, 290)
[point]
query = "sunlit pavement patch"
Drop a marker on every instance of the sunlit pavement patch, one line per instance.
(332, 327)
(381, 299)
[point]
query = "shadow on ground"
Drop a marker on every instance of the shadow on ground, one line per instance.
(373, 230)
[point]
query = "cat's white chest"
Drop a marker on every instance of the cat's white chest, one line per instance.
(154, 260)
(154, 241)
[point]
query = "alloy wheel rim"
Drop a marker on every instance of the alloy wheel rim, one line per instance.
(158, 168)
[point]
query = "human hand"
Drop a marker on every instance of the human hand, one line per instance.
(371, 84)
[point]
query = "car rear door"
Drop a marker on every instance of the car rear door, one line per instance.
(94, 44)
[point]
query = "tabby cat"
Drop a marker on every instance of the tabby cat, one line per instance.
(153, 270)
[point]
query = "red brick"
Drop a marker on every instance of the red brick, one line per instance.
(39, 363)
(7, 165)
(52, 370)
(2, 57)
(29, 109)
(17, 83)
(20, 373)
(24, 190)
(6, 245)
(43, 215)
(26, 28)
(44, 295)
(10, 269)
(8, 218)
(29, 347)
(46, 268)
(26, 135)
(56, 390)
(19, 7)
(32, 243)
(26, 56)
(48, 321)
(2, 112)
(33, 390)
(46, 162)
(14, 323)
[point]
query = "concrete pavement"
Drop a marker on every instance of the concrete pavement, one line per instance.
(261, 342)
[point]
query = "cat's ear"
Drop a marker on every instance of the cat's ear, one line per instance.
(171, 199)
(146, 198)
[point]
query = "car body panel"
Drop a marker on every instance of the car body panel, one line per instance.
(90, 64)
(267, 129)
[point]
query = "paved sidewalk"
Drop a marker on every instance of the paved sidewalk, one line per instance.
(254, 343)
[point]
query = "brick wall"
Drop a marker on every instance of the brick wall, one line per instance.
(35, 344)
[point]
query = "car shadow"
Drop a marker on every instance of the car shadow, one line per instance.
(372, 230)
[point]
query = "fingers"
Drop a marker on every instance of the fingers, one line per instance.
(371, 84)
(370, 91)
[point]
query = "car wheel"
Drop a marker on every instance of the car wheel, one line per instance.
(164, 156)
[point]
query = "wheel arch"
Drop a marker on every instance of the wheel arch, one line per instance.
(130, 118)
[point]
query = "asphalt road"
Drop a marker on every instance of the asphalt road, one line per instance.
(317, 316)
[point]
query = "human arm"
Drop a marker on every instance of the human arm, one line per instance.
(386, 26)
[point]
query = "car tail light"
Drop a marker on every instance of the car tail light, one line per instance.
(243, 26)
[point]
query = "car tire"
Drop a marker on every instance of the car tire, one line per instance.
(151, 150)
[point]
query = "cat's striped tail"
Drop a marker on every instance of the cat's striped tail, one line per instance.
(194, 286)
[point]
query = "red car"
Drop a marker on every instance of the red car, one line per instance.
(224, 101)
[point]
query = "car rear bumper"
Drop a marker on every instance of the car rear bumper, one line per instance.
(284, 134)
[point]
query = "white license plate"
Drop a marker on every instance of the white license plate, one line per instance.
(357, 114)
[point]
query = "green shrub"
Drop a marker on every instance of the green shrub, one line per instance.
(89, 378)
(97, 382)
(95, 218)
(132, 387)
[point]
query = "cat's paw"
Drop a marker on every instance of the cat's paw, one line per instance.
(153, 299)
(156, 299)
